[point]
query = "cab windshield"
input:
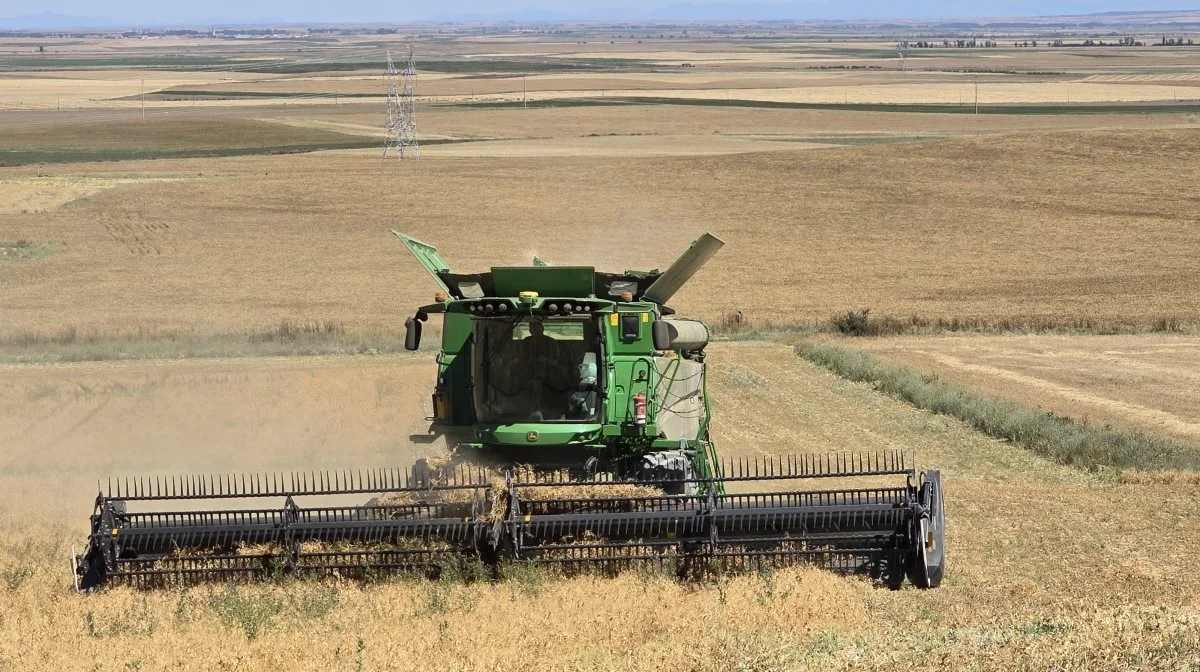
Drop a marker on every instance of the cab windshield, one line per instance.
(536, 370)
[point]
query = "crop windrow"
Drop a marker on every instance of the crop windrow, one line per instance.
(1059, 438)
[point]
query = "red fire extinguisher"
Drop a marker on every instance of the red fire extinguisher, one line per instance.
(639, 409)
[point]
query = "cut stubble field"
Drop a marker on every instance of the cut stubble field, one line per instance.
(1144, 382)
(994, 228)
(1050, 568)
(1055, 222)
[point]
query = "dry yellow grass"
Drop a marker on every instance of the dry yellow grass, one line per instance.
(616, 147)
(41, 194)
(91, 89)
(1050, 568)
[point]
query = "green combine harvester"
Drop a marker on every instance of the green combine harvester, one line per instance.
(575, 406)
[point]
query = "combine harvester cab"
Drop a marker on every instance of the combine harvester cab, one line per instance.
(577, 404)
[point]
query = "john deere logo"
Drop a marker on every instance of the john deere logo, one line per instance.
(531, 437)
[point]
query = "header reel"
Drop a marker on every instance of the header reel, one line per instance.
(286, 525)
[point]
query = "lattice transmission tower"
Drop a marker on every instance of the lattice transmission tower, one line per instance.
(401, 110)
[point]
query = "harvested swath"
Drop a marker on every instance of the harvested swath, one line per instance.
(556, 485)
(410, 498)
(254, 549)
(538, 485)
(553, 491)
(422, 544)
(440, 472)
(267, 550)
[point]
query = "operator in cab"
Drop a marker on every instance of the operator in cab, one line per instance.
(540, 356)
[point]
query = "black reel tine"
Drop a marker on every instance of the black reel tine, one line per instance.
(846, 529)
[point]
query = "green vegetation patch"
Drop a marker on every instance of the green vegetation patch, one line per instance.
(162, 133)
(863, 323)
(150, 62)
(734, 326)
(24, 158)
(1059, 438)
(32, 157)
(176, 137)
(24, 250)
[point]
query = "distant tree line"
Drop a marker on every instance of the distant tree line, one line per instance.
(1123, 42)
(970, 43)
(181, 32)
(1174, 42)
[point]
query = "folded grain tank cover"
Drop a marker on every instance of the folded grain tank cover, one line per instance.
(682, 334)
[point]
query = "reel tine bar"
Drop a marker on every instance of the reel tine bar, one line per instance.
(232, 486)
(870, 530)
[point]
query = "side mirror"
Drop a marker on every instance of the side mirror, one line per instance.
(412, 334)
(662, 335)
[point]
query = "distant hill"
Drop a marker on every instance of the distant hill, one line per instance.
(860, 12)
(889, 10)
(1151, 14)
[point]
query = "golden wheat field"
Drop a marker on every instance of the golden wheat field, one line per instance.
(1051, 568)
(153, 272)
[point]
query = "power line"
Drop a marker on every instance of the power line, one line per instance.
(401, 110)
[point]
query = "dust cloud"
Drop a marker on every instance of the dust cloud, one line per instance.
(66, 427)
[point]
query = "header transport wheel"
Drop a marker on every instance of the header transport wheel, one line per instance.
(928, 562)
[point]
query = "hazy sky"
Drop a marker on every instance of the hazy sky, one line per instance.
(156, 11)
